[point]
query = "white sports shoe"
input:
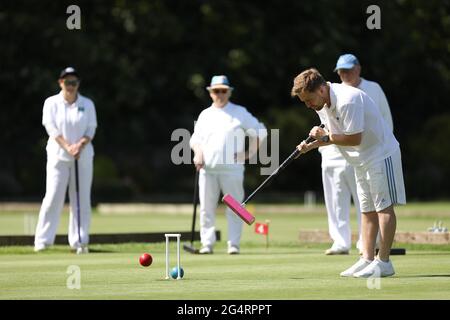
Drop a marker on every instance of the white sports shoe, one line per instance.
(376, 269)
(206, 250)
(358, 266)
(233, 250)
(40, 247)
(82, 250)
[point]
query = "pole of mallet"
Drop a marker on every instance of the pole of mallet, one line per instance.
(267, 234)
(197, 173)
(77, 190)
(285, 163)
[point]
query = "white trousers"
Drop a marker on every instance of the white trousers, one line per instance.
(339, 186)
(60, 175)
(210, 186)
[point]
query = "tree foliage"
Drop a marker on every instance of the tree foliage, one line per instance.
(145, 63)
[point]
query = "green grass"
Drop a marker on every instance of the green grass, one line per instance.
(286, 270)
(284, 226)
(281, 272)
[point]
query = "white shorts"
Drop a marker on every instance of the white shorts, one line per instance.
(381, 185)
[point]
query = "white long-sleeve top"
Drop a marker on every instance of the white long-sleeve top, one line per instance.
(72, 121)
(220, 132)
(331, 154)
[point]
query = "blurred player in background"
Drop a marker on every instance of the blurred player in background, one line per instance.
(219, 153)
(70, 121)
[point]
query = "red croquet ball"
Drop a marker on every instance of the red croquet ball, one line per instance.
(145, 259)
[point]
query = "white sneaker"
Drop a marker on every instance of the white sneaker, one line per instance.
(358, 266)
(233, 250)
(376, 269)
(40, 247)
(82, 250)
(206, 250)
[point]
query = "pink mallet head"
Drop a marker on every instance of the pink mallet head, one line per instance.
(238, 209)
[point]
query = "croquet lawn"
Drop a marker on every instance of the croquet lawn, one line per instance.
(287, 270)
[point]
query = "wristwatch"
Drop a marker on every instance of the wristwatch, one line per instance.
(325, 138)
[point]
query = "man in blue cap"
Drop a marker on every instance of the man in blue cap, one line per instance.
(219, 154)
(338, 176)
(349, 70)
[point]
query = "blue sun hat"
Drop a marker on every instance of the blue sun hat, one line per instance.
(220, 82)
(346, 61)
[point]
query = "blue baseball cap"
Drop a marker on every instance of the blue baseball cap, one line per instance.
(219, 82)
(346, 61)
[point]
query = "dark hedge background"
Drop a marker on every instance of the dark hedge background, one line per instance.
(145, 64)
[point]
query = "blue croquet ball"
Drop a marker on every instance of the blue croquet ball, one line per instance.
(174, 272)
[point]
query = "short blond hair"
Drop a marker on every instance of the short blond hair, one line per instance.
(309, 80)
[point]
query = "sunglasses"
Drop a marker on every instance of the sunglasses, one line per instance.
(73, 83)
(217, 91)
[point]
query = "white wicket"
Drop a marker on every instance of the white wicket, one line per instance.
(178, 236)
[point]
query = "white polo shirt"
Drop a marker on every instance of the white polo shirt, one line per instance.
(352, 111)
(221, 133)
(72, 121)
(331, 156)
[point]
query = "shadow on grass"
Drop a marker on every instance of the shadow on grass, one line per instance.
(434, 253)
(28, 250)
(101, 251)
(426, 276)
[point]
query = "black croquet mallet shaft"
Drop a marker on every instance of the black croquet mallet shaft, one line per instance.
(277, 171)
